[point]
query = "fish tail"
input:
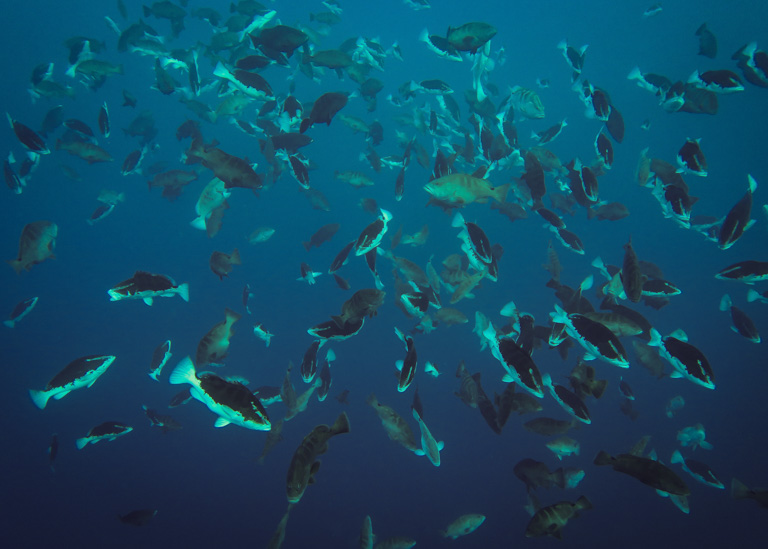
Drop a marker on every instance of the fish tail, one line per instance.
(40, 398)
(341, 425)
(500, 193)
(183, 373)
(603, 458)
(739, 490)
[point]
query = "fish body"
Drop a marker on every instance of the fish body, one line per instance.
(460, 189)
(304, 464)
(222, 264)
(22, 309)
(89, 152)
(213, 196)
(138, 517)
(109, 430)
(232, 401)
(648, 471)
(518, 364)
(550, 520)
(214, 345)
(160, 357)
(738, 218)
(686, 360)
(465, 524)
(35, 245)
(563, 447)
(429, 446)
(371, 236)
(81, 372)
(396, 427)
(147, 286)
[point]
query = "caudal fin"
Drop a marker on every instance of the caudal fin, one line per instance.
(40, 398)
(184, 372)
(341, 425)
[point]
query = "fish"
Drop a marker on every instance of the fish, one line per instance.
(687, 361)
(371, 236)
(429, 446)
(28, 137)
(470, 37)
(573, 56)
(89, 152)
(22, 309)
(550, 520)
(232, 401)
(262, 234)
(323, 234)
(274, 436)
(748, 272)
(222, 264)
(674, 405)
(718, 81)
(551, 133)
(475, 243)
(182, 397)
(214, 345)
(260, 332)
(693, 436)
(738, 218)
(567, 400)
(549, 427)
(739, 490)
(698, 470)
(304, 464)
(439, 45)
(465, 524)
(81, 372)
(165, 423)
(528, 103)
(395, 426)
(138, 517)
(160, 357)
(307, 274)
(406, 368)
(325, 380)
(214, 195)
(309, 362)
(742, 324)
(691, 159)
(460, 189)
(147, 286)
(109, 430)
(536, 474)
(323, 109)
(101, 211)
(626, 390)
(250, 83)
(366, 533)
(516, 362)
(707, 42)
(35, 245)
(563, 447)
(649, 472)
(594, 337)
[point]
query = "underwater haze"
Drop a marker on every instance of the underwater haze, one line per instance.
(519, 70)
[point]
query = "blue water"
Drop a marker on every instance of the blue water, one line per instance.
(205, 482)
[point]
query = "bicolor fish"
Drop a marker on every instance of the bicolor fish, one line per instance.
(233, 402)
(81, 372)
(160, 357)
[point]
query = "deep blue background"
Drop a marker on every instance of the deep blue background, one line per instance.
(205, 481)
